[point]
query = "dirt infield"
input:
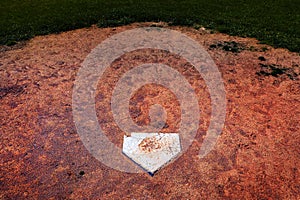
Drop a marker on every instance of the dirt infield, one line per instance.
(256, 157)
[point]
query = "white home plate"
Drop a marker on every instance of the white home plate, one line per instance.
(151, 151)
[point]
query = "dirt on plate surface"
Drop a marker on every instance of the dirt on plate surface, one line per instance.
(257, 155)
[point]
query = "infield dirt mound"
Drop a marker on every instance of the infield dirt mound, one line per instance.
(256, 157)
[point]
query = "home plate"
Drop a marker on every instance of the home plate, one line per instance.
(152, 151)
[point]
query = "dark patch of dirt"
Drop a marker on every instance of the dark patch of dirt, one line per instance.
(231, 46)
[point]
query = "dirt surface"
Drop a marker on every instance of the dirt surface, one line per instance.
(256, 157)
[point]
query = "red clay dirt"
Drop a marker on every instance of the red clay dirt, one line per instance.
(257, 155)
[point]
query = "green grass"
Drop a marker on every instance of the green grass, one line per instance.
(275, 22)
